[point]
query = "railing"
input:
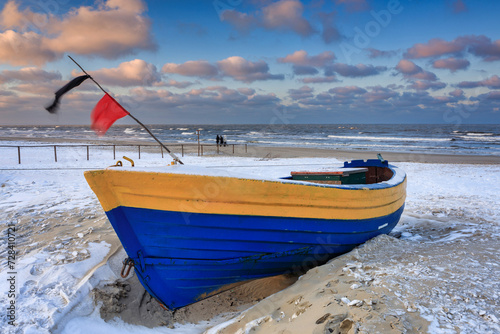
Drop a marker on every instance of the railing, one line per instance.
(183, 148)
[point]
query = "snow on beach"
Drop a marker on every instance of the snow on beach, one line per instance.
(442, 273)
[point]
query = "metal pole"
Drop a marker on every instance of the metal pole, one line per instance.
(161, 149)
(245, 148)
(55, 153)
(19, 154)
(139, 146)
(201, 150)
(233, 148)
(129, 114)
(182, 150)
(114, 152)
(198, 133)
(87, 153)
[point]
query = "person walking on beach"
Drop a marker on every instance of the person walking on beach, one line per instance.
(218, 140)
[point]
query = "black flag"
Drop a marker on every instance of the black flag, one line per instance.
(69, 86)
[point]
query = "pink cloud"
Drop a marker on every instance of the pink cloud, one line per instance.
(486, 49)
(347, 90)
(480, 46)
(28, 74)
(284, 15)
(452, 64)
(492, 82)
(199, 68)
(301, 57)
(435, 47)
(303, 92)
(19, 49)
(457, 93)
(136, 72)
(424, 85)
(244, 70)
(116, 28)
(412, 71)
(178, 84)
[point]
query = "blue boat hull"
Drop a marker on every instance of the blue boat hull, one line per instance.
(181, 258)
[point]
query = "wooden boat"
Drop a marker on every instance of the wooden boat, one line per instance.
(192, 232)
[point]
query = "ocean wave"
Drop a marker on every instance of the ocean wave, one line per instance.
(390, 138)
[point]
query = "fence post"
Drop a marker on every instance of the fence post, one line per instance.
(55, 153)
(233, 148)
(139, 146)
(182, 149)
(114, 152)
(245, 148)
(201, 150)
(19, 154)
(161, 148)
(87, 153)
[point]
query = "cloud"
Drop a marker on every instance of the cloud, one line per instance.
(486, 49)
(492, 82)
(136, 72)
(178, 84)
(283, 15)
(304, 70)
(197, 68)
(286, 15)
(330, 32)
(480, 46)
(424, 85)
(301, 57)
(354, 5)
(354, 71)
(374, 53)
(459, 6)
(412, 71)
(435, 47)
(303, 92)
(347, 91)
(240, 21)
(28, 48)
(458, 93)
(234, 67)
(452, 64)
(379, 93)
(243, 70)
(28, 74)
(116, 28)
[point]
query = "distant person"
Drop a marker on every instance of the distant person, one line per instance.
(218, 140)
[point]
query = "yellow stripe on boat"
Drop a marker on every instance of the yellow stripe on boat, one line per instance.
(241, 196)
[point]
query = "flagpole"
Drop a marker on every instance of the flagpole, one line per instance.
(135, 119)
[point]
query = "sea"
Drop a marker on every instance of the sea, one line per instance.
(478, 139)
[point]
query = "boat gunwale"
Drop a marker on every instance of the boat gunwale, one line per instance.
(398, 176)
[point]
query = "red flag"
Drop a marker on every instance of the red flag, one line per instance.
(105, 113)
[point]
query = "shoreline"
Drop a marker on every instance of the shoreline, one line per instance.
(274, 152)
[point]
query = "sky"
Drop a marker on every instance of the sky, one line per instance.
(253, 61)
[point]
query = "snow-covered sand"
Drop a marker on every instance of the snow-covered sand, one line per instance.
(438, 272)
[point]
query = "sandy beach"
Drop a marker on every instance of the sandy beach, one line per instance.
(437, 272)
